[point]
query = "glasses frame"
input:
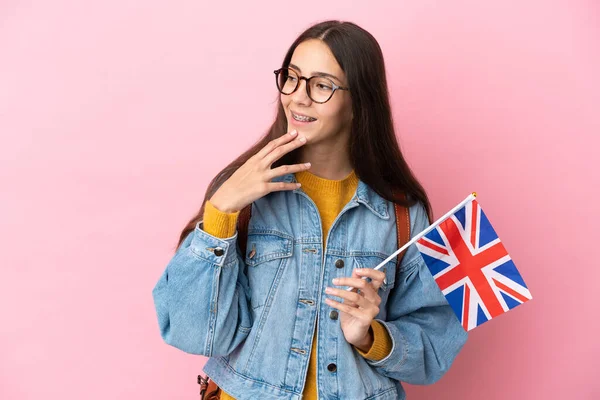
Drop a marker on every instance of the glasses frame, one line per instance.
(300, 77)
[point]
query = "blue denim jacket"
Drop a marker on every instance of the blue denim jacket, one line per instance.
(254, 315)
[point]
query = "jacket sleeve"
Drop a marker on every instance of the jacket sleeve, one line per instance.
(202, 298)
(426, 335)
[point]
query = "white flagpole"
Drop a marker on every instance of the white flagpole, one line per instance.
(471, 197)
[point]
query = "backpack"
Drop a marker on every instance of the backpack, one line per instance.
(208, 388)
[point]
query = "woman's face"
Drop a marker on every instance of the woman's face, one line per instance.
(333, 118)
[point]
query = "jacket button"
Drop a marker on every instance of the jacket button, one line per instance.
(333, 314)
(218, 251)
(339, 263)
(332, 367)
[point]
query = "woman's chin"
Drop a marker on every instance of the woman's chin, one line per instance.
(308, 133)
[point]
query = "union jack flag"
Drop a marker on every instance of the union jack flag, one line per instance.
(472, 267)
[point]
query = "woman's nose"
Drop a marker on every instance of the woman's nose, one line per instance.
(300, 96)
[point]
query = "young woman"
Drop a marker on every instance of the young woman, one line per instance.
(276, 321)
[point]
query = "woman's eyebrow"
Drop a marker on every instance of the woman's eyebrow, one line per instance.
(325, 74)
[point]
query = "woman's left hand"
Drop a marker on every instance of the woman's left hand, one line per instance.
(358, 309)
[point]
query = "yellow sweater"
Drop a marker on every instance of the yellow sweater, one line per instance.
(330, 196)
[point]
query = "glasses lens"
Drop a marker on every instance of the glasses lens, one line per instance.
(321, 89)
(287, 80)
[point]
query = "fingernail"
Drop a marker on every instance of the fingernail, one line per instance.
(298, 184)
(359, 271)
(307, 164)
(302, 139)
(294, 132)
(335, 281)
(328, 290)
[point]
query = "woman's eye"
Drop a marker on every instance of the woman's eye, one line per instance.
(324, 87)
(291, 79)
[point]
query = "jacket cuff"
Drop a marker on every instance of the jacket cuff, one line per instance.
(218, 223)
(218, 251)
(382, 343)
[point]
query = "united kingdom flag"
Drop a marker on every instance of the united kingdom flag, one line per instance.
(472, 267)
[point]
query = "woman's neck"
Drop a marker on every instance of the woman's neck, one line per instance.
(328, 168)
(327, 161)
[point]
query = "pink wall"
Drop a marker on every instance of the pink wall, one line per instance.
(111, 125)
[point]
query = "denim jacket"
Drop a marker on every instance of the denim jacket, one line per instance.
(254, 314)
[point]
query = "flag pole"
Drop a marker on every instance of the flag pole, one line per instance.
(471, 197)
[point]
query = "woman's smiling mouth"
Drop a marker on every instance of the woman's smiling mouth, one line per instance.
(302, 119)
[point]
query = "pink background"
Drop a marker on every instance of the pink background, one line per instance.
(114, 116)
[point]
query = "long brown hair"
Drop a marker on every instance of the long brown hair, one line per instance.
(374, 151)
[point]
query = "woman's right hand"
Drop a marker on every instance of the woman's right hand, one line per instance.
(253, 179)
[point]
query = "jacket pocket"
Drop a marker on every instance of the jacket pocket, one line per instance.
(371, 260)
(267, 254)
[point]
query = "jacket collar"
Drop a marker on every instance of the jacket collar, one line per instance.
(364, 195)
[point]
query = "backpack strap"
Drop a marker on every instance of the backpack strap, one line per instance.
(242, 225)
(402, 230)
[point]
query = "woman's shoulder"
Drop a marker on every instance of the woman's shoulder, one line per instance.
(419, 219)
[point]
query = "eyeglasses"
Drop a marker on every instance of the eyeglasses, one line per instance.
(319, 88)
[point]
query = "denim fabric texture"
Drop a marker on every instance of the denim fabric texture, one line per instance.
(254, 314)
